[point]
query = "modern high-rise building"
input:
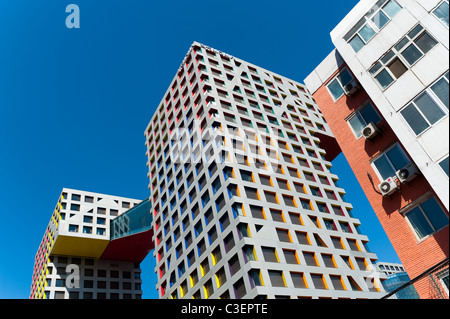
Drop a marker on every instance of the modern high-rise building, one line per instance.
(243, 200)
(384, 92)
(92, 248)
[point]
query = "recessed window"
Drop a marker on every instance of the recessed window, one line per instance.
(247, 176)
(73, 228)
(87, 219)
(257, 212)
(277, 215)
(337, 282)
(88, 199)
(239, 289)
(391, 161)
(319, 282)
(363, 117)
(277, 278)
(255, 277)
(291, 256)
(336, 87)
(310, 259)
(270, 254)
(283, 235)
(303, 238)
(427, 218)
(298, 280)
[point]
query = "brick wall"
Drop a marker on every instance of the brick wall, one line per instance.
(416, 256)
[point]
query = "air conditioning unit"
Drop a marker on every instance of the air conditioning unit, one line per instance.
(370, 131)
(388, 187)
(351, 88)
(407, 173)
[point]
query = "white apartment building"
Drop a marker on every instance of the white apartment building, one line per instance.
(398, 50)
(244, 203)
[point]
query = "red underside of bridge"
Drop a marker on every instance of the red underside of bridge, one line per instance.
(132, 248)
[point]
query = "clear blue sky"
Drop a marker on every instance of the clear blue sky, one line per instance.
(74, 103)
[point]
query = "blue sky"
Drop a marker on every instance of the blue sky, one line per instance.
(74, 103)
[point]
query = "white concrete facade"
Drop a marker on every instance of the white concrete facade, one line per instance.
(244, 203)
(429, 147)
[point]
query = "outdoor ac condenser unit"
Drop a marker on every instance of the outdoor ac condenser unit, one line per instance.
(388, 187)
(370, 131)
(407, 173)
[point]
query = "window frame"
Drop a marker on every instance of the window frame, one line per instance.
(337, 78)
(441, 275)
(435, 98)
(396, 52)
(440, 165)
(367, 20)
(417, 204)
(437, 7)
(372, 161)
(358, 112)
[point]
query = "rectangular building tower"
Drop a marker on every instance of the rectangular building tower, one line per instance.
(244, 203)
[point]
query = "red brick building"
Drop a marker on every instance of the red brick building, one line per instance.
(403, 212)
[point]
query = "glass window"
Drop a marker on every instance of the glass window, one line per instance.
(428, 108)
(415, 120)
(397, 68)
(276, 278)
(380, 19)
(442, 12)
(390, 162)
(384, 78)
(372, 22)
(345, 77)
(356, 43)
(445, 165)
(441, 89)
(425, 42)
(392, 8)
(362, 118)
(427, 218)
(336, 87)
(411, 54)
(419, 45)
(408, 51)
(435, 214)
(397, 158)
